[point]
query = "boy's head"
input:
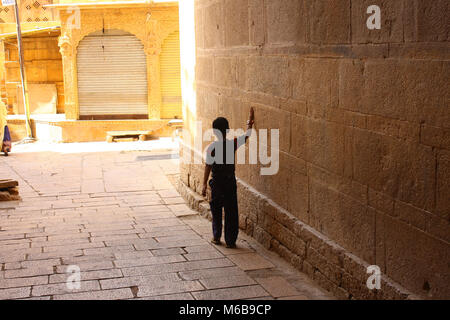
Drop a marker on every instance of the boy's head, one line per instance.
(222, 125)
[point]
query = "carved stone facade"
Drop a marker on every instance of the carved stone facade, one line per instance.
(149, 24)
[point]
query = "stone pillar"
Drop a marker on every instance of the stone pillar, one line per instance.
(69, 56)
(152, 49)
(154, 85)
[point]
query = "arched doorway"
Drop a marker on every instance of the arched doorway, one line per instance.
(112, 76)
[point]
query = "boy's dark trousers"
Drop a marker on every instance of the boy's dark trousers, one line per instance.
(224, 195)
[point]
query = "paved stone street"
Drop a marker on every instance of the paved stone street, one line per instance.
(112, 211)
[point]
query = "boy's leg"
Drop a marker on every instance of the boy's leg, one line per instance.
(231, 217)
(216, 205)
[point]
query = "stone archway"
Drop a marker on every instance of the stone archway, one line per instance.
(150, 25)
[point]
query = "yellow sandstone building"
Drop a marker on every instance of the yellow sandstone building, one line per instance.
(92, 67)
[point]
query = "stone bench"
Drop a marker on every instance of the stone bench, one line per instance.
(110, 135)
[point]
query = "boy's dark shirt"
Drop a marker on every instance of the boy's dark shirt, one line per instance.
(221, 168)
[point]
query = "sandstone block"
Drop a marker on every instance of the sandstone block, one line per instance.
(405, 102)
(436, 137)
(415, 259)
(298, 202)
(394, 128)
(286, 21)
(319, 82)
(329, 21)
(214, 26)
(351, 84)
(391, 22)
(225, 71)
(204, 69)
(236, 14)
(331, 272)
(381, 201)
(308, 268)
(412, 215)
(415, 50)
(199, 27)
(426, 21)
(265, 74)
(299, 130)
(325, 145)
(256, 22)
(400, 170)
(325, 283)
(443, 185)
(343, 219)
(357, 287)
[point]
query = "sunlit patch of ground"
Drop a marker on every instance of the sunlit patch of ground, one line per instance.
(161, 144)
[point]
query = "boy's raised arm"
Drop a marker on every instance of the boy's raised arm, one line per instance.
(243, 139)
(251, 118)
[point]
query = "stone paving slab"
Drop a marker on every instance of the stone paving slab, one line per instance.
(15, 293)
(23, 282)
(277, 286)
(212, 273)
(251, 261)
(118, 218)
(231, 293)
(169, 287)
(116, 294)
(176, 296)
(127, 282)
(227, 281)
(61, 288)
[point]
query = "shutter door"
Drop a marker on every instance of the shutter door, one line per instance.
(171, 77)
(112, 74)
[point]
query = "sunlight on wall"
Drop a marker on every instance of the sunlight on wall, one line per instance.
(187, 61)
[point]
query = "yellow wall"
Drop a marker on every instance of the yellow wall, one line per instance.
(43, 65)
(2, 120)
(42, 58)
(6, 28)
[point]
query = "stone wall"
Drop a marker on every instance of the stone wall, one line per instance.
(364, 125)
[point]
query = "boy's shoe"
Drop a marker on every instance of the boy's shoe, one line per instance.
(231, 245)
(215, 241)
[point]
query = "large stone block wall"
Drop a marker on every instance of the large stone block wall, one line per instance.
(364, 123)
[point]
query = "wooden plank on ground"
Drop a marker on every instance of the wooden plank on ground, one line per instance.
(7, 183)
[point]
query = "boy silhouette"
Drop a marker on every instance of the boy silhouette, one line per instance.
(220, 156)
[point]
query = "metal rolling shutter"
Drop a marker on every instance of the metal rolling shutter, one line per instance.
(171, 77)
(112, 74)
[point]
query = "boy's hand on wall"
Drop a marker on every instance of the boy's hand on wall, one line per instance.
(251, 118)
(204, 190)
